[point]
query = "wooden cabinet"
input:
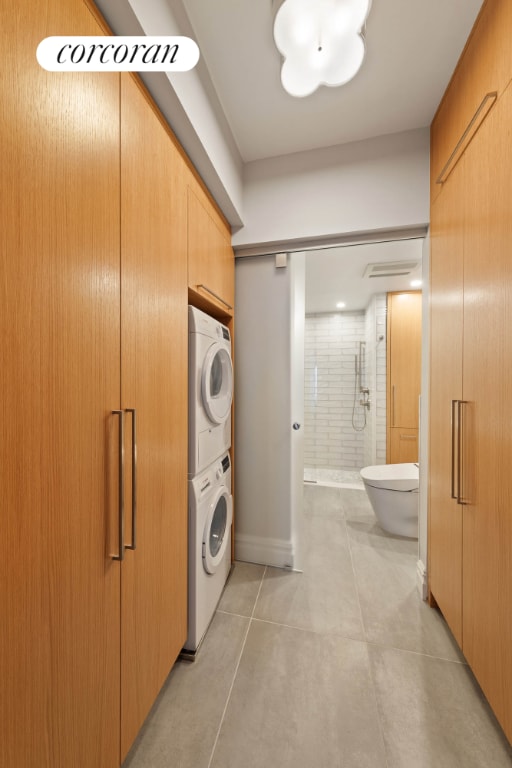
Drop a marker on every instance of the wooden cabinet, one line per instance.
(154, 366)
(446, 335)
(485, 68)
(211, 265)
(470, 537)
(403, 375)
(60, 379)
(94, 320)
(487, 411)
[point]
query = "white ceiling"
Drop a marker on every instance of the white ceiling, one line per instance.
(412, 48)
(337, 274)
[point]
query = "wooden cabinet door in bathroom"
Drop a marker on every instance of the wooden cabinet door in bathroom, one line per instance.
(154, 373)
(404, 375)
(446, 334)
(59, 352)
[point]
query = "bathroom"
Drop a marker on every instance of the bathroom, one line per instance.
(345, 357)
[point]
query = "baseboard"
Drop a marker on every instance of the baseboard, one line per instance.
(421, 573)
(264, 551)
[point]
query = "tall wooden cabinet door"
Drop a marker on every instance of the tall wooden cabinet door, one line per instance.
(59, 363)
(487, 420)
(446, 303)
(404, 364)
(154, 382)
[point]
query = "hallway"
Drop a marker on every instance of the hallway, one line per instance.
(341, 666)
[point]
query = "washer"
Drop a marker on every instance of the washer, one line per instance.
(210, 507)
(210, 390)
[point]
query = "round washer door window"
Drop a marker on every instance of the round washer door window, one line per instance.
(216, 530)
(217, 383)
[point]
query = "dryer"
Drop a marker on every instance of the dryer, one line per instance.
(210, 515)
(210, 390)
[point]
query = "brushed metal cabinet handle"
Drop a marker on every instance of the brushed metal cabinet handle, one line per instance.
(120, 556)
(454, 429)
(133, 544)
(393, 405)
(460, 463)
(473, 126)
(215, 295)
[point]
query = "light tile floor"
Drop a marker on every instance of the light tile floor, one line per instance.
(341, 666)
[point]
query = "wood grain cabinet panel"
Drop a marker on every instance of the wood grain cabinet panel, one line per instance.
(485, 67)
(154, 359)
(487, 375)
(60, 378)
(404, 372)
(470, 546)
(404, 445)
(446, 336)
(211, 265)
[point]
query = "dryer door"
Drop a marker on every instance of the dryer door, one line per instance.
(216, 529)
(217, 383)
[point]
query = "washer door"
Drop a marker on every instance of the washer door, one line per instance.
(216, 529)
(217, 383)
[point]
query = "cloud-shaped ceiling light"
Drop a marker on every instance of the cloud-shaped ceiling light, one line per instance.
(321, 42)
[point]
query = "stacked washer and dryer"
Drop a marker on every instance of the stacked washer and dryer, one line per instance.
(210, 502)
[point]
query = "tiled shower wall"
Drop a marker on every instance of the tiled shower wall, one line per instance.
(331, 343)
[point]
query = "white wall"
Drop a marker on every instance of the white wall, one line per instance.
(263, 467)
(378, 184)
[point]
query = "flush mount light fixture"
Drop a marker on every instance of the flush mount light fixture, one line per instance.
(321, 42)
(416, 283)
(340, 305)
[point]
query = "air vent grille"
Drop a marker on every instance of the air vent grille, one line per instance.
(390, 269)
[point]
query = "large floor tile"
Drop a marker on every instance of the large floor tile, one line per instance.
(322, 500)
(300, 701)
(393, 612)
(323, 598)
(434, 715)
(242, 589)
(182, 726)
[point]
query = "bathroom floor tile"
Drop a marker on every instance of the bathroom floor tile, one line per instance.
(433, 714)
(324, 501)
(241, 590)
(300, 702)
(364, 530)
(183, 724)
(393, 612)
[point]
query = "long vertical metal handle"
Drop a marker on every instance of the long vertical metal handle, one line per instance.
(454, 495)
(393, 405)
(460, 448)
(133, 412)
(120, 556)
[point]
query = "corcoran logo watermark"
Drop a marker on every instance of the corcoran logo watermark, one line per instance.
(117, 54)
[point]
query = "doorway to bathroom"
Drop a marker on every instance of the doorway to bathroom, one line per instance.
(345, 355)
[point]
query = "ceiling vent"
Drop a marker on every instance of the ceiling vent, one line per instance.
(391, 269)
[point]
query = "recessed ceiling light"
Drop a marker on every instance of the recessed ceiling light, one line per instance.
(340, 305)
(416, 283)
